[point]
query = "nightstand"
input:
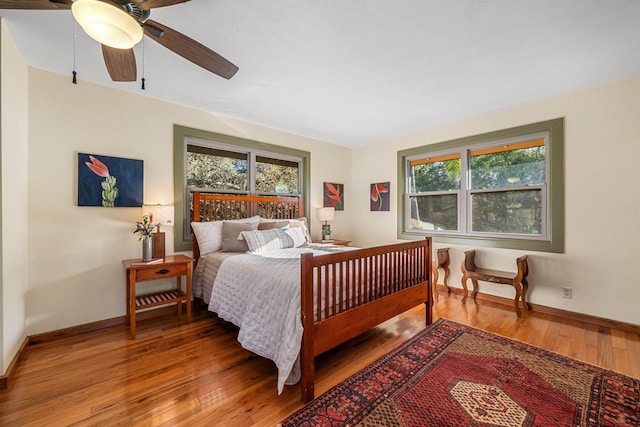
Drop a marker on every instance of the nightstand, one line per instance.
(334, 242)
(171, 266)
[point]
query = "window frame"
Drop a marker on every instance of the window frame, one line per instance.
(552, 191)
(184, 136)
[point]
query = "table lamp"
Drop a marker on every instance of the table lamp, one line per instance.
(326, 214)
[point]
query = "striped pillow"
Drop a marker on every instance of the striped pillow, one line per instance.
(260, 241)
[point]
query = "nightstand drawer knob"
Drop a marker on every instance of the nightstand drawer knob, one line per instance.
(163, 271)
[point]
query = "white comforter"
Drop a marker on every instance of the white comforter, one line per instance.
(261, 295)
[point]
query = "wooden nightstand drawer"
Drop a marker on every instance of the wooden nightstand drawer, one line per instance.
(160, 271)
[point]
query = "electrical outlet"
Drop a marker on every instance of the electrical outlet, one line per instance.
(566, 293)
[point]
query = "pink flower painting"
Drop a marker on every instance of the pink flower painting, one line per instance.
(380, 196)
(334, 196)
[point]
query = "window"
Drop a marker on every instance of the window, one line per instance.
(277, 176)
(214, 169)
(210, 162)
(506, 189)
(434, 184)
(501, 189)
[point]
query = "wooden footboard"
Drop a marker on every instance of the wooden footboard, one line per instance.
(347, 293)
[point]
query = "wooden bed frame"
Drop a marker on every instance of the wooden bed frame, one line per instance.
(374, 284)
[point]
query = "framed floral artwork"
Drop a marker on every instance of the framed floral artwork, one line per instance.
(109, 181)
(380, 196)
(333, 196)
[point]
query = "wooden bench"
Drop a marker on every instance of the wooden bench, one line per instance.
(518, 279)
(441, 261)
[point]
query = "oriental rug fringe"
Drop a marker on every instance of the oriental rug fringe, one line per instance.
(455, 375)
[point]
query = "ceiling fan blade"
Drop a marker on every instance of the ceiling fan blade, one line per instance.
(121, 64)
(152, 4)
(191, 50)
(36, 4)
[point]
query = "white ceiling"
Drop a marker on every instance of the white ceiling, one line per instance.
(361, 71)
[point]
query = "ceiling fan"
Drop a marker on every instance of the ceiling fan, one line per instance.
(119, 25)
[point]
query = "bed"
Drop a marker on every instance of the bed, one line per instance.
(293, 299)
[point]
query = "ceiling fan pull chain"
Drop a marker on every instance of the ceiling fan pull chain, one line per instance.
(74, 80)
(142, 79)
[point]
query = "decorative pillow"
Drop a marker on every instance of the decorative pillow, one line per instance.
(261, 241)
(209, 234)
(297, 235)
(231, 236)
(267, 225)
(250, 220)
(301, 223)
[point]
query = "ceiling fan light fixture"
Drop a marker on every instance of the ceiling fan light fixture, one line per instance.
(107, 23)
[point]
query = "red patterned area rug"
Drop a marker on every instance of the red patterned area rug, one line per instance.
(456, 375)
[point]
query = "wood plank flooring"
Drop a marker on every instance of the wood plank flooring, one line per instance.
(193, 374)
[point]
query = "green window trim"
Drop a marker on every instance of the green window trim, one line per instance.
(180, 136)
(555, 240)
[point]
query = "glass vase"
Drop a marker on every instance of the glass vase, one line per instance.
(147, 248)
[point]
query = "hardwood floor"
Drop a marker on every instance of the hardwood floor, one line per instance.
(176, 373)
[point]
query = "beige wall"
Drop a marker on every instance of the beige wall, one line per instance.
(602, 235)
(75, 270)
(13, 196)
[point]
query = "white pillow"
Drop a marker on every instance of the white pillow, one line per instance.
(302, 224)
(290, 223)
(262, 220)
(297, 235)
(209, 234)
(260, 241)
(251, 220)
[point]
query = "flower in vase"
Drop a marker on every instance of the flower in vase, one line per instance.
(145, 228)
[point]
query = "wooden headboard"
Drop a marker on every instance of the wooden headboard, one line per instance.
(219, 207)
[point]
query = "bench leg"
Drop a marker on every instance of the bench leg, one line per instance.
(516, 300)
(475, 288)
(464, 287)
(446, 279)
(525, 288)
(435, 281)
